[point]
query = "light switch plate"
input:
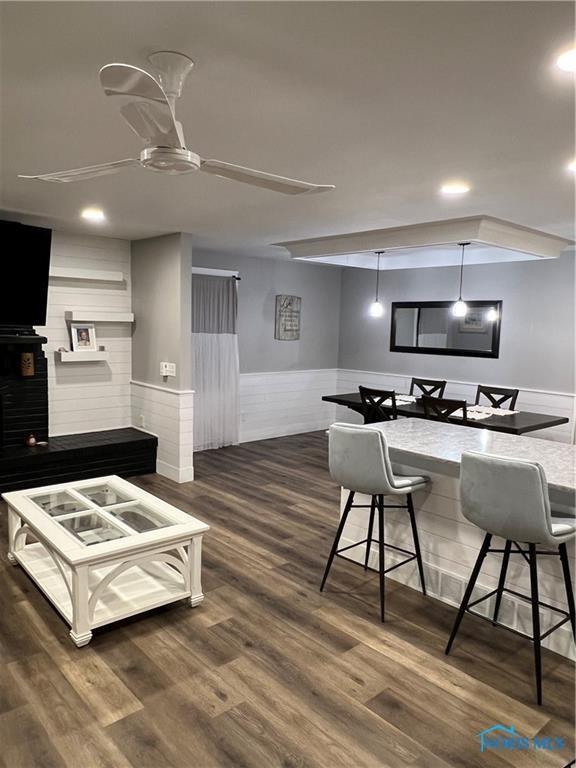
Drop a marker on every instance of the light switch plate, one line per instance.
(167, 369)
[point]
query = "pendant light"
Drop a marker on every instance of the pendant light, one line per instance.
(460, 308)
(376, 308)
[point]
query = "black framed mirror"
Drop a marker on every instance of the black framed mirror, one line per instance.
(430, 328)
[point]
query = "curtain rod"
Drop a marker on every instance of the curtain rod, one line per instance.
(213, 272)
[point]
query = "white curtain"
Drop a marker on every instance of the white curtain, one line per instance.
(215, 368)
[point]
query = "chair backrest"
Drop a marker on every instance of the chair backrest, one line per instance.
(440, 409)
(379, 404)
(359, 459)
(431, 387)
(506, 497)
(497, 396)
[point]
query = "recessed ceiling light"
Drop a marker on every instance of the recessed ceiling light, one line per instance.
(455, 188)
(572, 166)
(567, 61)
(95, 215)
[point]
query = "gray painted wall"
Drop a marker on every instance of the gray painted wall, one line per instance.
(537, 341)
(161, 300)
(319, 286)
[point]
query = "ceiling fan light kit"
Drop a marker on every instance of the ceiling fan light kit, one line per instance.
(147, 104)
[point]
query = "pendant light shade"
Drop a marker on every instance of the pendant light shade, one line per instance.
(460, 308)
(377, 308)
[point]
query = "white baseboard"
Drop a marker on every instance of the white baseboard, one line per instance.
(178, 474)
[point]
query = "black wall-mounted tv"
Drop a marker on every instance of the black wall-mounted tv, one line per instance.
(24, 267)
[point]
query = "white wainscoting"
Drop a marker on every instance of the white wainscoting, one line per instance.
(535, 400)
(168, 414)
(450, 545)
(279, 403)
(285, 403)
(88, 396)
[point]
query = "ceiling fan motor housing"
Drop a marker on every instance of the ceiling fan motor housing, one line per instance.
(170, 160)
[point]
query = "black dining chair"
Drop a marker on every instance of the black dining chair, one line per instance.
(440, 409)
(497, 396)
(431, 387)
(378, 405)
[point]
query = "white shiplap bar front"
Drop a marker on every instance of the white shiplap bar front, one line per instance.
(449, 543)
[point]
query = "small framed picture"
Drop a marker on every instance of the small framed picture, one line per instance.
(474, 322)
(288, 310)
(83, 337)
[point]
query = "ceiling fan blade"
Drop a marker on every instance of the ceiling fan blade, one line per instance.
(153, 122)
(143, 104)
(89, 172)
(127, 80)
(261, 179)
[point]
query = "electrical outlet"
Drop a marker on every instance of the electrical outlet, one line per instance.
(141, 420)
(167, 369)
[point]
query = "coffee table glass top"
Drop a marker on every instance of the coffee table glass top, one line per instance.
(100, 512)
(59, 503)
(91, 527)
(104, 494)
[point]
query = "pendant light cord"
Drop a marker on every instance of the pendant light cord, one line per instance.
(378, 254)
(461, 269)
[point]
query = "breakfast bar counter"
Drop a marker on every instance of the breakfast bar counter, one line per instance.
(449, 543)
(437, 446)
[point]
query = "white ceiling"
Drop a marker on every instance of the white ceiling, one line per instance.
(385, 100)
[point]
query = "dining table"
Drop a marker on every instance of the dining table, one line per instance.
(516, 423)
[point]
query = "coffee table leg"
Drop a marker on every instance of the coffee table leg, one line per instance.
(14, 525)
(80, 632)
(195, 561)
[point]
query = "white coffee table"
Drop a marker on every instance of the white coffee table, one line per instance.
(104, 549)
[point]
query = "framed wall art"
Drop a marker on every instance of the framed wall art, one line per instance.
(288, 311)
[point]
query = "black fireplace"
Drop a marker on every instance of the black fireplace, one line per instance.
(23, 387)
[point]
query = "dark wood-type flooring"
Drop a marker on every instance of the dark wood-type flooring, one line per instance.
(267, 671)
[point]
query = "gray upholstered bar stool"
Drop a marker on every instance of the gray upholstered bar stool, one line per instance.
(509, 498)
(359, 461)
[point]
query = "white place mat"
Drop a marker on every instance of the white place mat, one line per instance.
(491, 411)
(480, 412)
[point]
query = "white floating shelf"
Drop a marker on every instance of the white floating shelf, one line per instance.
(85, 356)
(100, 276)
(94, 316)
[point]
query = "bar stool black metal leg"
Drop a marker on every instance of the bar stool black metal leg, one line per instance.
(469, 589)
(370, 530)
(535, 621)
(381, 563)
(416, 541)
(568, 584)
(347, 507)
(502, 580)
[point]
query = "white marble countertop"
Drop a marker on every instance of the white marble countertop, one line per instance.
(439, 447)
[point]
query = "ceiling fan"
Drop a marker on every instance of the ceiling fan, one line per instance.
(147, 104)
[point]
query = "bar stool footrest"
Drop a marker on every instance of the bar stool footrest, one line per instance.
(528, 599)
(411, 555)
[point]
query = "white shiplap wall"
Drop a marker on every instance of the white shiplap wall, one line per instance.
(168, 414)
(89, 396)
(288, 402)
(285, 403)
